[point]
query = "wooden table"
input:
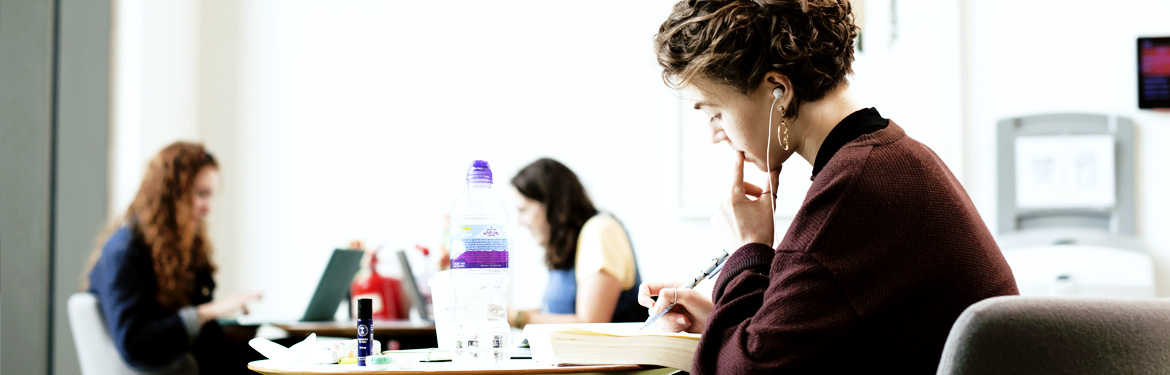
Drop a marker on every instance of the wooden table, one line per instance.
(511, 367)
(411, 335)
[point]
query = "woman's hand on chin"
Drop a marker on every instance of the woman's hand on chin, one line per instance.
(743, 217)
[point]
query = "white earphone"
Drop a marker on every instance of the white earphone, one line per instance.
(777, 93)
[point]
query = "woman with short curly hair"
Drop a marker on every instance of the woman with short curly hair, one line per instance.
(887, 249)
(153, 275)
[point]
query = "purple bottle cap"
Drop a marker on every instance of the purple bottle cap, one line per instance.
(479, 172)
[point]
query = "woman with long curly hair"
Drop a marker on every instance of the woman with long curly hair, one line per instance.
(153, 276)
(887, 249)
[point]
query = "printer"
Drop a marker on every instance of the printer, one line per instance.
(1066, 206)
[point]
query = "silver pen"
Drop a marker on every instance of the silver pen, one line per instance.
(708, 272)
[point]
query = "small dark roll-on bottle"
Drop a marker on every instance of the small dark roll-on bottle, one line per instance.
(365, 330)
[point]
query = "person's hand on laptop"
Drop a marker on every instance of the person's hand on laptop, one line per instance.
(227, 306)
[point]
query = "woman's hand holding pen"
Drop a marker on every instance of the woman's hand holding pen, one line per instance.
(690, 311)
(745, 218)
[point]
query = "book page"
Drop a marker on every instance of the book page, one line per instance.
(617, 329)
(610, 343)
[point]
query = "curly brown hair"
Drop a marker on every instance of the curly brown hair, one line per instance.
(161, 215)
(737, 42)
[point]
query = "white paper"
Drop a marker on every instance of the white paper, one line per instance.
(310, 350)
(1065, 171)
(306, 351)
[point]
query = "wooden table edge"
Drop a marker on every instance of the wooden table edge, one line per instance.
(578, 370)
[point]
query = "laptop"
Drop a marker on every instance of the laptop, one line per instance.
(332, 289)
(418, 303)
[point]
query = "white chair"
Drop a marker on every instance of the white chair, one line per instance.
(95, 350)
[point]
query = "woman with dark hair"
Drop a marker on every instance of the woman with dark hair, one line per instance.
(887, 249)
(593, 277)
(153, 277)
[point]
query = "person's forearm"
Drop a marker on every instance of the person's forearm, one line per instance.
(193, 320)
(204, 314)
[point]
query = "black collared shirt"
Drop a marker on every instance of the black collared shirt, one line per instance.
(862, 122)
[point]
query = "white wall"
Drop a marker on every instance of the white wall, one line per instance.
(909, 70)
(155, 81)
(1043, 56)
(360, 119)
(357, 119)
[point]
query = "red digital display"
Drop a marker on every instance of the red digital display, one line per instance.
(1154, 72)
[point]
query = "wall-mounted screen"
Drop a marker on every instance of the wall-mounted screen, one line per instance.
(1154, 72)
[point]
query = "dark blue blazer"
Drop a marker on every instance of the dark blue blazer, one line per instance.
(146, 334)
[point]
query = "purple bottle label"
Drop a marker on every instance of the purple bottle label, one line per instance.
(479, 246)
(365, 334)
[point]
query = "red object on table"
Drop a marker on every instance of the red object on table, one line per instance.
(386, 293)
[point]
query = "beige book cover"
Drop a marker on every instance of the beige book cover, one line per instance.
(610, 344)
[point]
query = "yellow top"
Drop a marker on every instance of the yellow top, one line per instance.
(604, 246)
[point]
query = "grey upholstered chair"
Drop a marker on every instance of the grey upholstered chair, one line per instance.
(1052, 335)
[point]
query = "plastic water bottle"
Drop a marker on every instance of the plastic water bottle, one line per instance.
(479, 271)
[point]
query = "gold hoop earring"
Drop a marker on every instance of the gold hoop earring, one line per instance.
(784, 126)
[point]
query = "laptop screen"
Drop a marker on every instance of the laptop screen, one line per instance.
(410, 287)
(334, 284)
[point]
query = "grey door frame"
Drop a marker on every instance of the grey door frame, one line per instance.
(54, 131)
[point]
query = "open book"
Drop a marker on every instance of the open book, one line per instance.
(610, 344)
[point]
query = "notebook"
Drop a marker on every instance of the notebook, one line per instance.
(332, 288)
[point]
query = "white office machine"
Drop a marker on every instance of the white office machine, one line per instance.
(1066, 206)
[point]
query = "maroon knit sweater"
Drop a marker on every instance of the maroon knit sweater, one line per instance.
(884, 254)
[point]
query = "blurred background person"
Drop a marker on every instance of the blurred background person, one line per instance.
(593, 276)
(153, 277)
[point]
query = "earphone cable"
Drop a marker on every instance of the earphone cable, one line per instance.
(768, 163)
